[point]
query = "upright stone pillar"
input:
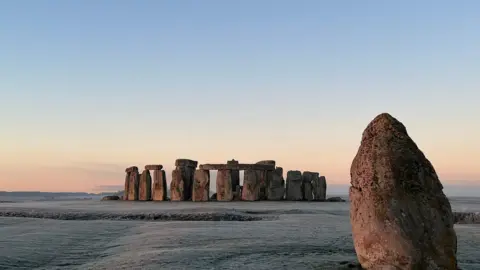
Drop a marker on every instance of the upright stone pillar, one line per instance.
(235, 174)
(307, 179)
(145, 186)
(264, 178)
(294, 186)
(182, 180)
(224, 185)
(201, 186)
(127, 182)
(319, 185)
(159, 189)
(251, 186)
(276, 188)
(133, 184)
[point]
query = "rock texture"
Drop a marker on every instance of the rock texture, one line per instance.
(251, 186)
(294, 186)
(400, 217)
(224, 186)
(133, 184)
(307, 178)
(235, 174)
(276, 188)
(319, 188)
(145, 186)
(201, 186)
(186, 163)
(159, 191)
(182, 180)
(153, 167)
(177, 186)
(127, 183)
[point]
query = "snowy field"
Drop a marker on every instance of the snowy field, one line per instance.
(92, 234)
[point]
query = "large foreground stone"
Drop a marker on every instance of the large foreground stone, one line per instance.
(224, 185)
(400, 217)
(251, 186)
(159, 191)
(294, 186)
(319, 188)
(145, 186)
(201, 186)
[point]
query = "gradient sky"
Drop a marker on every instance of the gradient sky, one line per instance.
(91, 87)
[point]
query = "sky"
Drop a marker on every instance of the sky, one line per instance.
(89, 88)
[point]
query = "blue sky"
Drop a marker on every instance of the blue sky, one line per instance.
(136, 82)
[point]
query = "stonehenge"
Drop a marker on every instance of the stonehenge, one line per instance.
(261, 181)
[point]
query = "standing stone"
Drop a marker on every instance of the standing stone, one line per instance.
(201, 186)
(400, 217)
(177, 186)
(159, 192)
(224, 185)
(145, 186)
(251, 186)
(235, 174)
(307, 179)
(319, 186)
(126, 189)
(276, 189)
(294, 186)
(264, 178)
(237, 194)
(133, 185)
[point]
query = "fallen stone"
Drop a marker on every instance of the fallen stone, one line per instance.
(251, 186)
(294, 186)
(307, 178)
(239, 167)
(201, 186)
(276, 189)
(133, 185)
(400, 217)
(186, 163)
(319, 187)
(224, 186)
(153, 167)
(131, 169)
(145, 186)
(159, 191)
(110, 198)
(335, 199)
(466, 218)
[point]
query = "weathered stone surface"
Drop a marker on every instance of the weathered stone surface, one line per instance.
(133, 185)
(131, 169)
(319, 186)
(224, 185)
(237, 194)
(126, 189)
(294, 186)
(181, 185)
(276, 188)
(201, 186)
(159, 191)
(235, 175)
(237, 167)
(213, 197)
(263, 178)
(267, 162)
(400, 217)
(153, 167)
(307, 178)
(145, 186)
(186, 163)
(111, 198)
(251, 186)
